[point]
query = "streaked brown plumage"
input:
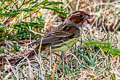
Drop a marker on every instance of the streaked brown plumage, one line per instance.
(69, 29)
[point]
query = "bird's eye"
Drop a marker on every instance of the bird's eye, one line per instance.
(81, 16)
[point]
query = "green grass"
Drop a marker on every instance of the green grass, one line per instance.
(94, 57)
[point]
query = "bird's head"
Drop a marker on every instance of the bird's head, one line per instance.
(77, 18)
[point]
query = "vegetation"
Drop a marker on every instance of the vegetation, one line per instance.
(95, 56)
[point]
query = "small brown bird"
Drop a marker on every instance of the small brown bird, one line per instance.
(65, 35)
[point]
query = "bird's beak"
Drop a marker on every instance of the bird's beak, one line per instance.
(88, 16)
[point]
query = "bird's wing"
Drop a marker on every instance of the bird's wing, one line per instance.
(56, 37)
(61, 34)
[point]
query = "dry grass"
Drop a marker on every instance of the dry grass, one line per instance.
(80, 62)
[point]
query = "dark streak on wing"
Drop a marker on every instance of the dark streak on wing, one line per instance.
(56, 37)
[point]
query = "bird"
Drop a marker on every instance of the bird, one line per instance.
(64, 36)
